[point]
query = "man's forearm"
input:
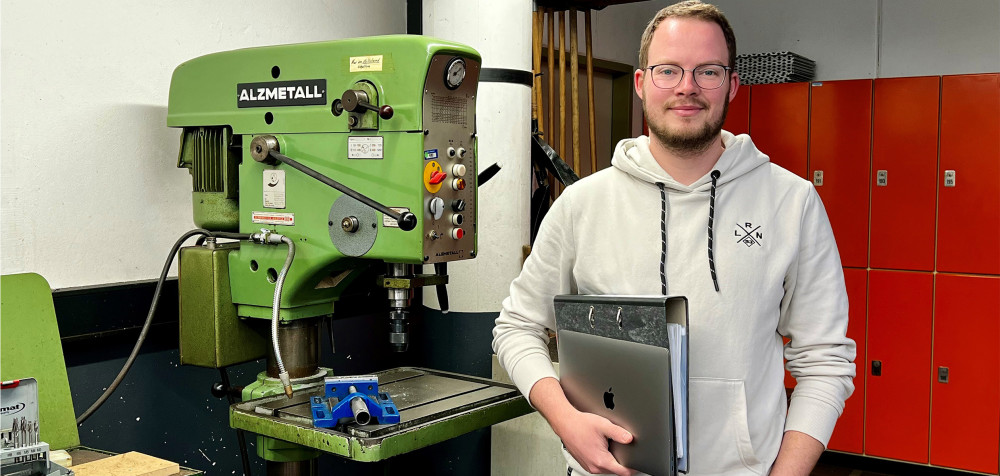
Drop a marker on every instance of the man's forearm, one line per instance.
(798, 454)
(548, 398)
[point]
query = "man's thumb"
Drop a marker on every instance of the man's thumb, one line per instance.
(618, 434)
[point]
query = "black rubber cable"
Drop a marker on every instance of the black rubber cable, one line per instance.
(149, 317)
(239, 433)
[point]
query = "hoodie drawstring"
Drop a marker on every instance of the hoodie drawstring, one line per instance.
(663, 238)
(711, 234)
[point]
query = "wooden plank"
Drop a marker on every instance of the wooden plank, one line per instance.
(550, 15)
(561, 46)
(129, 464)
(590, 97)
(574, 74)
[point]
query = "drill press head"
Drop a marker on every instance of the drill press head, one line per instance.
(390, 118)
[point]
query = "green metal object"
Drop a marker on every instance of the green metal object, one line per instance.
(424, 421)
(207, 152)
(292, 92)
(276, 450)
(211, 333)
(281, 451)
(391, 118)
(213, 211)
(266, 386)
(31, 348)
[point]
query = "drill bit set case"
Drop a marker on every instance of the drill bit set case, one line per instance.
(22, 450)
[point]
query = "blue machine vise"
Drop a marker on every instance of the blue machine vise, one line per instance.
(354, 397)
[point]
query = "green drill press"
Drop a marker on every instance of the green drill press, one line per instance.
(335, 157)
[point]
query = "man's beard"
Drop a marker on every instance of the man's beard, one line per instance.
(687, 143)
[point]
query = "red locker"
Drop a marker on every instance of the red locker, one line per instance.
(849, 434)
(904, 162)
(738, 117)
(839, 160)
(779, 123)
(965, 414)
(899, 356)
(969, 204)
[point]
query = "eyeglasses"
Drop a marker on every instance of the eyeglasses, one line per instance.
(706, 76)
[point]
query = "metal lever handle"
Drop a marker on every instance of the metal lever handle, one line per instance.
(265, 149)
(355, 99)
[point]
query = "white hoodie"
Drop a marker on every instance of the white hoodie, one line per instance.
(778, 273)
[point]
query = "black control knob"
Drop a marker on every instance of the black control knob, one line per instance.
(407, 221)
(458, 205)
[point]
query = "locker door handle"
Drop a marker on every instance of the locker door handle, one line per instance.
(943, 374)
(877, 368)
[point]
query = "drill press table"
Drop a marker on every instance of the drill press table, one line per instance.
(433, 406)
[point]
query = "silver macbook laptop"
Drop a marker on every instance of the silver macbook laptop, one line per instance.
(629, 384)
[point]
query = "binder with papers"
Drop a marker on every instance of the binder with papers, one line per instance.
(592, 327)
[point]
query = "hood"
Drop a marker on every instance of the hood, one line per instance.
(632, 156)
(740, 156)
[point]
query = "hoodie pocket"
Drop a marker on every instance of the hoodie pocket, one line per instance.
(720, 436)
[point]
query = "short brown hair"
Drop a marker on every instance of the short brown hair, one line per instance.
(688, 9)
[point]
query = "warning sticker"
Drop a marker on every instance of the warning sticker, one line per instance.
(271, 218)
(364, 147)
(388, 221)
(366, 63)
(274, 189)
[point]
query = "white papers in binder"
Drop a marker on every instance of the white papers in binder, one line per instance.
(677, 339)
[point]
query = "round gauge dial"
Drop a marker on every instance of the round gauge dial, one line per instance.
(454, 73)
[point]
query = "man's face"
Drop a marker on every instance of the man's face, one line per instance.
(687, 118)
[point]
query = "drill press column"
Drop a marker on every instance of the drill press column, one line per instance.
(299, 342)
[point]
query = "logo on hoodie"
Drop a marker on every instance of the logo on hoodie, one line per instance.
(748, 234)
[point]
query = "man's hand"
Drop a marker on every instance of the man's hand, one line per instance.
(585, 435)
(586, 438)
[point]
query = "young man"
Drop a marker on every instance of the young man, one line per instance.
(695, 211)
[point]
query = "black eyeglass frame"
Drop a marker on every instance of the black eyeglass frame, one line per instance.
(727, 69)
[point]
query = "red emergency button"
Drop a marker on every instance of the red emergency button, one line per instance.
(437, 177)
(457, 233)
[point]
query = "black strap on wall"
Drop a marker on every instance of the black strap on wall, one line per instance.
(414, 17)
(503, 75)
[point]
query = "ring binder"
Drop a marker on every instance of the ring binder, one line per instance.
(660, 321)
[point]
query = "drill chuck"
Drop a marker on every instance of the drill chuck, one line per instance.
(399, 330)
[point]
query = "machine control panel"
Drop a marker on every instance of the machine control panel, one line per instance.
(449, 107)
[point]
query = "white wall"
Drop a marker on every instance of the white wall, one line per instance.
(90, 189)
(930, 37)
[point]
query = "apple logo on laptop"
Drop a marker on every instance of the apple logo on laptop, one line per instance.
(609, 399)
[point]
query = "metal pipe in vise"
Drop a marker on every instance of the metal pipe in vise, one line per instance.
(359, 408)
